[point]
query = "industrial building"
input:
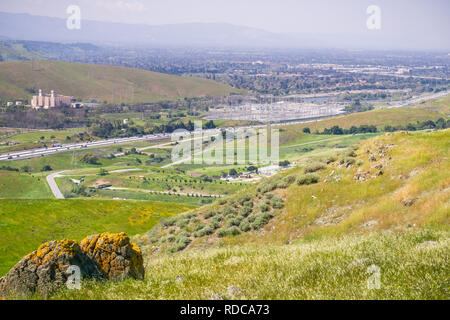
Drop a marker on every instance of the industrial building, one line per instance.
(50, 100)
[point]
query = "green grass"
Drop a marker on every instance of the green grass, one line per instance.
(23, 186)
(325, 269)
(25, 224)
(300, 256)
(87, 81)
(33, 139)
(133, 195)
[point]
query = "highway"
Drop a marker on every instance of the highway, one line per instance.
(33, 153)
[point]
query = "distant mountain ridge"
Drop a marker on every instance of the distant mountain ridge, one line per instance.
(39, 28)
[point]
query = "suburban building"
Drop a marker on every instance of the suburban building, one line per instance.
(50, 100)
(269, 170)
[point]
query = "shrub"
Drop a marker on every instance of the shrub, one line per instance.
(182, 223)
(168, 222)
(308, 178)
(245, 226)
(46, 168)
(228, 211)
(221, 233)
(264, 207)
(182, 240)
(277, 202)
(209, 214)
(234, 222)
(267, 186)
(183, 234)
(198, 227)
(313, 167)
(245, 211)
(204, 231)
(214, 225)
(248, 204)
(90, 158)
(191, 215)
(282, 184)
(290, 178)
(233, 231)
(261, 220)
(216, 219)
(243, 199)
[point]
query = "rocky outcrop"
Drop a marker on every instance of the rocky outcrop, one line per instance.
(117, 257)
(44, 271)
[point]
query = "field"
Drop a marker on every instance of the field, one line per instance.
(104, 83)
(16, 185)
(25, 224)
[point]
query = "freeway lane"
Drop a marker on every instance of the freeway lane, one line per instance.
(26, 154)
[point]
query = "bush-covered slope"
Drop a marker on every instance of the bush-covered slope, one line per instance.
(393, 182)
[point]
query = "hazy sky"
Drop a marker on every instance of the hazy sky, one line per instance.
(424, 20)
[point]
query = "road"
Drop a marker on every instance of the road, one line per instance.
(33, 153)
(416, 100)
(53, 186)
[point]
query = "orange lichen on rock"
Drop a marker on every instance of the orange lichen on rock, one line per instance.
(54, 251)
(103, 256)
(115, 255)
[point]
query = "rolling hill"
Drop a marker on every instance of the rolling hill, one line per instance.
(380, 207)
(313, 232)
(105, 83)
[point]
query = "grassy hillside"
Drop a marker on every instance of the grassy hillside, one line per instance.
(313, 232)
(105, 83)
(382, 204)
(432, 110)
(15, 51)
(25, 224)
(410, 268)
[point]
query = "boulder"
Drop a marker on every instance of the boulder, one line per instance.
(44, 271)
(116, 256)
